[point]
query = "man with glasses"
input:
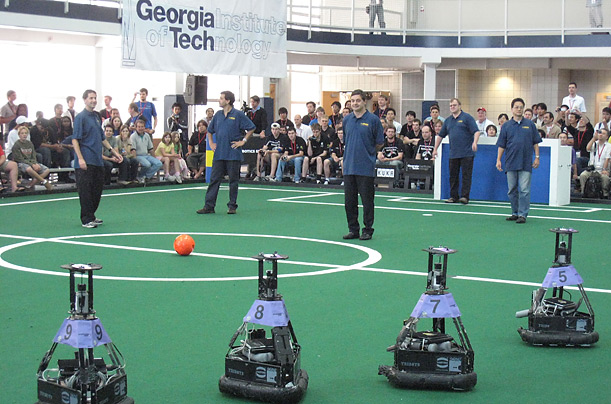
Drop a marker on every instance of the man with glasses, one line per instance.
(464, 135)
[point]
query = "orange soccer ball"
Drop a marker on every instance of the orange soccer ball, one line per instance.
(184, 244)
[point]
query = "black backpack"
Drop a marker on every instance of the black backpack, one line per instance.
(594, 186)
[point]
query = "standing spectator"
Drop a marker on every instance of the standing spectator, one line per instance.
(382, 108)
(209, 116)
(518, 140)
(196, 156)
(502, 119)
(407, 127)
(70, 112)
(336, 118)
(147, 110)
(391, 114)
(303, 131)
(434, 117)
(55, 123)
(541, 111)
(258, 115)
(376, 8)
(8, 112)
(176, 124)
(87, 140)
(595, 13)
(143, 151)
(311, 107)
(482, 121)
(106, 112)
(362, 133)
(228, 125)
(464, 135)
(575, 102)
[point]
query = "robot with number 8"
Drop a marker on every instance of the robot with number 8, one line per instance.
(555, 320)
(265, 368)
(83, 379)
(433, 359)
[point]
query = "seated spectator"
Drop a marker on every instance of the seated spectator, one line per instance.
(336, 118)
(528, 114)
(318, 146)
(382, 108)
(270, 153)
(563, 137)
(66, 128)
(581, 131)
(292, 156)
(183, 170)
(606, 122)
(336, 158)
(311, 107)
(111, 161)
(209, 116)
(551, 129)
(600, 153)
(53, 153)
(55, 123)
(562, 117)
(346, 111)
(411, 139)
(196, 156)
(326, 129)
(390, 119)
(284, 122)
(116, 123)
(491, 131)
(124, 147)
(434, 118)
(9, 167)
(24, 155)
(114, 113)
(438, 127)
(407, 127)
(13, 135)
(166, 154)
(22, 110)
(143, 148)
(392, 150)
(426, 145)
(303, 131)
(320, 111)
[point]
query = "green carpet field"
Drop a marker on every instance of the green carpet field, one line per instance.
(173, 316)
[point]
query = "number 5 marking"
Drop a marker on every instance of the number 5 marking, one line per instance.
(562, 276)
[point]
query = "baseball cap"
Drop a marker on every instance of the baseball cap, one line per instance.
(481, 109)
(21, 120)
(275, 125)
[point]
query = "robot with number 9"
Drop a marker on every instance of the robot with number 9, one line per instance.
(83, 379)
(262, 368)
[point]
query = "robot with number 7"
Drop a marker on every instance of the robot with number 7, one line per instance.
(433, 359)
(555, 320)
(265, 368)
(83, 379)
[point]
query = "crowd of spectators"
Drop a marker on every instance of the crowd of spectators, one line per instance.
(308, 148)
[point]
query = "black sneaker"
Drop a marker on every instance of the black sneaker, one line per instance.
(365, 236)
(350, 236)
(512, 218)
(205, 210)
(521, 219)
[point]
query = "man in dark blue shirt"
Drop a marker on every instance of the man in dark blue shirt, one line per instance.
(228, 125)
(363, 132)
(464, 135)
(518, 140)
(87, 139)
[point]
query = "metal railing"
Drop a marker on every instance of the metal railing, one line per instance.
(455, 18)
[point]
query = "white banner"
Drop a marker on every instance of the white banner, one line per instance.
(245, 37)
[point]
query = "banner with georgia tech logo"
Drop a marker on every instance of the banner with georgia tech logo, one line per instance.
(239, 37)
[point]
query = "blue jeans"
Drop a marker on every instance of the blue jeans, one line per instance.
(297, 162)
(149, 165)
(518, 183)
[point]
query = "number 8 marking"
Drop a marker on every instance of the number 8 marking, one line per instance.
(259, 312)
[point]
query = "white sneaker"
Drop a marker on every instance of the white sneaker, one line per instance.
(257, 179)
(90, 225)
(179, 179)
(142, 180)
(326, 182)
(98, 222)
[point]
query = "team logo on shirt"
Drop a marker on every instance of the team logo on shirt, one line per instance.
(232, 117)
(364, 124)
(459, 121)
(525, 127)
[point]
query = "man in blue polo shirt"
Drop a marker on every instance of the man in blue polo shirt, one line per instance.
(363, 132)
(228, 125)
(87, 139)
(518, 140)
(464, 135)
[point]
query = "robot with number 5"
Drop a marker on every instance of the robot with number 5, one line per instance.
(556, 320)
(83, 379)
(265, 368)
(433, 359)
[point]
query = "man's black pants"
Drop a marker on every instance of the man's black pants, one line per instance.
(353, 186)
(220, 168)
(456, 165)
(89, 183)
